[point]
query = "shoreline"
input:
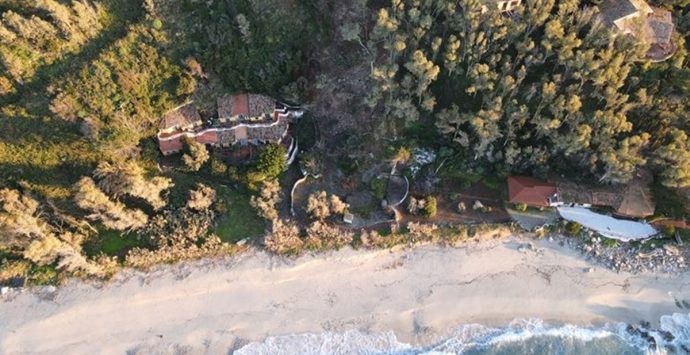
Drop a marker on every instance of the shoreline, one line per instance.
(420, 293)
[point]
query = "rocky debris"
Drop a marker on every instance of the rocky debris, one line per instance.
(631, 257)
(524, 248)
(643, 333)
(656, 337)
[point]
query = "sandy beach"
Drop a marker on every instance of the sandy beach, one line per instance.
(213, 306)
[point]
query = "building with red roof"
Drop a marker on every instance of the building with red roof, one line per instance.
(242, 119)
(530, 191)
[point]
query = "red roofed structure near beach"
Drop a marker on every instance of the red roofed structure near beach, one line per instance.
(530, 191)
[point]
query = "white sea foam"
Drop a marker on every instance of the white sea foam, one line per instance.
(349, 342)
(474, 338)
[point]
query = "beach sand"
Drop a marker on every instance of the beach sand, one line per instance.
(213, 306)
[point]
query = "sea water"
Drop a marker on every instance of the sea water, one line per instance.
(520, 337)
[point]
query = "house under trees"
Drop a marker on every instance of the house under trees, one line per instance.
(632, 200)
(646, 23)
(636, 18)
(243, 119)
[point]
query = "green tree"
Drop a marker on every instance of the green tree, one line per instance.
(196, 154)
(674, 159)
(271, 162)
(547, 92)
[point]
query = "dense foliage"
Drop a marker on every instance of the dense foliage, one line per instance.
(259, 46)
(35, 36)
(546, 89)
(83, 83)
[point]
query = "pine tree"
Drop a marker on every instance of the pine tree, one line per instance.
(113, 215)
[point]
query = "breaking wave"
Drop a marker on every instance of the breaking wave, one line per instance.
(520, 337)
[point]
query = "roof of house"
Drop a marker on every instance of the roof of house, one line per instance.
(207, 137)
(248, 105)
(179, 117)
(636, 201)
(631, 200)
(170, 145)
(268, 134)
(523, 189)
(613, 10)
(661, 25)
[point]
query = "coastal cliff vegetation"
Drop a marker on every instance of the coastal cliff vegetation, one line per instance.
(84, 189)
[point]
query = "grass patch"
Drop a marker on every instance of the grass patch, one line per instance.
(240, 220)
(111, 243)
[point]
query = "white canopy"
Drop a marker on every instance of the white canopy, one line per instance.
(621, 229)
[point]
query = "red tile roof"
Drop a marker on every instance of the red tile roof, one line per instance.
(208, 137)
(530, 191)
(240, 105)
(176, 144)
(170, 145)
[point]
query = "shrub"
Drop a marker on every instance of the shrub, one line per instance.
(196, 155)
(6, 86)
(669, 231)
(378, 188)
(323, 236)
(233, 173)
(284, 238)
(430, 207)
(181, 234)
(422, 232)
(311, 162)
(267, 201)
(609, 243)
(415, 206)
(573, 228)
(218, 167)
(521, 207)
(201, 198)
(317, 205)
(371, 239)
(321, 206)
